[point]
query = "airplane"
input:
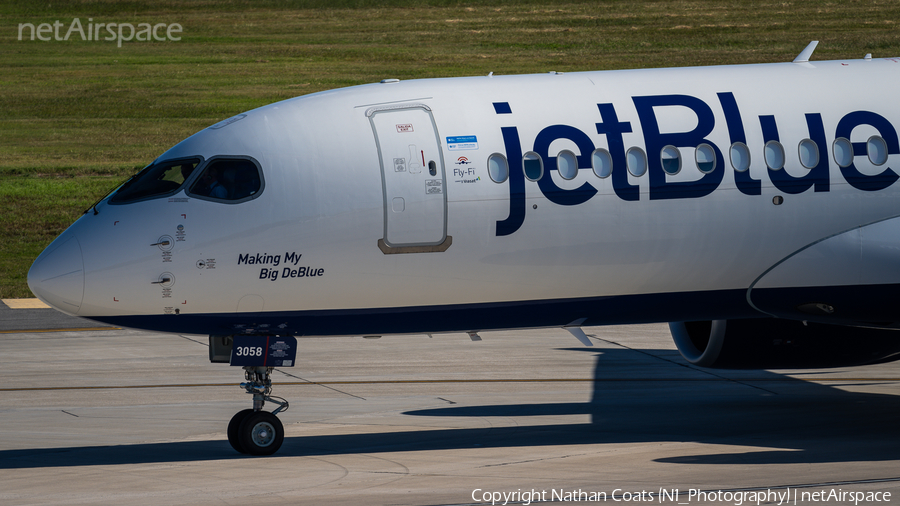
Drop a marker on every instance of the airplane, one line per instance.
(754, 207)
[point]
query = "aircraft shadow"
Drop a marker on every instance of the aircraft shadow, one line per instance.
(791, 421)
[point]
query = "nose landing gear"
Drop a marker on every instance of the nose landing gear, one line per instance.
(254, 431)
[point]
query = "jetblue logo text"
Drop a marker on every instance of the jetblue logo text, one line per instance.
(614, 128)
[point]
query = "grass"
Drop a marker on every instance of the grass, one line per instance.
(35, 211)
(79, 116)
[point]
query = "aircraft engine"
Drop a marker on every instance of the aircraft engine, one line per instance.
(774, 343)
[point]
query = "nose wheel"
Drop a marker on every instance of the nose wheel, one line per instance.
(254, 431)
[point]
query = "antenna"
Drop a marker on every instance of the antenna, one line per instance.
(804, 55)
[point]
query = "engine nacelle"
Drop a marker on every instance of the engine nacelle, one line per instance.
(774, 343)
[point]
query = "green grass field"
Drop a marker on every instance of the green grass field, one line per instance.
(80, 116)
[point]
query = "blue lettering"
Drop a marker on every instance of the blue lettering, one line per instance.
(292, 257)
(661, 188)
(742, 179)
(516, 183)
(302, 272)
(655, 141)
(817, 176)
(259, 258)
(822, 179)
(853, 176)
(613, 129)
(554, 193)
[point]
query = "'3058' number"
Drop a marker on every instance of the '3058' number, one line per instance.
(249, 351)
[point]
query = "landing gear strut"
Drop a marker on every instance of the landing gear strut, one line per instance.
(254, 431)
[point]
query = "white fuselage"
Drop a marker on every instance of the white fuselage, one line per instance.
(350, 234)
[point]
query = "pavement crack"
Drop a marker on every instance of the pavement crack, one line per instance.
(559, 457)
(320, 384)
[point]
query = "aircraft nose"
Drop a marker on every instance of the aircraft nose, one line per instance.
(57, 275)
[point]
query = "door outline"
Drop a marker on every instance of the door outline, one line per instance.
(410, 247)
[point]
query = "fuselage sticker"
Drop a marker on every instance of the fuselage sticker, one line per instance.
(209, 263)
(434, 187)
(462, 143)
(464, 172)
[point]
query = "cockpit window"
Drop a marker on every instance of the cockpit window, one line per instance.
(228, 179)
(155, 180)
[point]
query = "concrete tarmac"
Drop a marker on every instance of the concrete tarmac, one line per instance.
(115, 416)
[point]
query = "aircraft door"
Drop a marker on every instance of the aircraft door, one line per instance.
(413, 179)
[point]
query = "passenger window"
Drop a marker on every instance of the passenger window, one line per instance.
(567, 164)
(670, 158)
(774, 154)
(636, 161)
(533, 166)
(601, 162)
(228, 179)
(740, 156)
(843, 152)
(876, 148)
(706, 158)
(155, 180)
(809, 153)
(498, 169)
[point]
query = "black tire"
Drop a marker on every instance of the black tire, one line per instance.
(261, 433)
(234, 428)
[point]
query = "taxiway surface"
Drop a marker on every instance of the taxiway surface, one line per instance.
(114, 416)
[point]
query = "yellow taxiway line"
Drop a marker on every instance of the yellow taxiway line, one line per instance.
(25, 304)
(33, 331)
(416, 382)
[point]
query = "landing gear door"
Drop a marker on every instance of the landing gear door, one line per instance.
(413, 179)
